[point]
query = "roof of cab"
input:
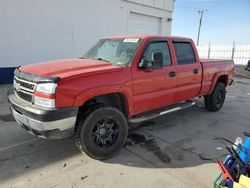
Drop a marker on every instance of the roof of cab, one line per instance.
(148, 37)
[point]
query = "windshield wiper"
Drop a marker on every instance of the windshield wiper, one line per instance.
(101, 59)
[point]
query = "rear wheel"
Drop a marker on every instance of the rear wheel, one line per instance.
(215, 101)
(103, 133)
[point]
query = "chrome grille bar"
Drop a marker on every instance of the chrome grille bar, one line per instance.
(26, 85)
(24, 89)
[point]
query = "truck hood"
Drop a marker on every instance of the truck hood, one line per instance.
(70, 67)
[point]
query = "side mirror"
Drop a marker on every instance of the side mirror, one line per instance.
(155, 64)
(157, 59)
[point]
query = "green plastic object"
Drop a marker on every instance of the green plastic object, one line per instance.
(219, 182)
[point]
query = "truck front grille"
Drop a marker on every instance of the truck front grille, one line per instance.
(24, 96)
(24, 89)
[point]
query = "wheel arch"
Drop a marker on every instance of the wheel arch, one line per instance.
(221, 78)
(113, 99)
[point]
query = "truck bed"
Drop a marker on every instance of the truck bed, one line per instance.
(212, 69)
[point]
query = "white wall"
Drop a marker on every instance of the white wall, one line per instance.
(33, 31)
(160, 4)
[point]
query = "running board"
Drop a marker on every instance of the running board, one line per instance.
(157, 113)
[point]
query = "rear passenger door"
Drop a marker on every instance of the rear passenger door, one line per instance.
(188, 71)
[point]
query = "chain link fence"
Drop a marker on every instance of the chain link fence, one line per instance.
(239, 53)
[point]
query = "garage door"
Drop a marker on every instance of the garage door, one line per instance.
(143, 24)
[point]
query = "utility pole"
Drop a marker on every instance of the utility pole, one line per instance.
(201, 12)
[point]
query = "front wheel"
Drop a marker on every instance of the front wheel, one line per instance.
(103, 133)
(215, 101)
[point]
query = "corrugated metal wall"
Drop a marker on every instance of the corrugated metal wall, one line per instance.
(35, 31)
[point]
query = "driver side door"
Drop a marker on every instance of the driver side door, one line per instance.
(154, 89)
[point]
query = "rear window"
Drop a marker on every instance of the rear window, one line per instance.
(184, 53)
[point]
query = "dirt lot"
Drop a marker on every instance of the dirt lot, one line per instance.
(163, 152)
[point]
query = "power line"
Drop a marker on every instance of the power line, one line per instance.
(201, 12)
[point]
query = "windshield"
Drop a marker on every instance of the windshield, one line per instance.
(119, 51)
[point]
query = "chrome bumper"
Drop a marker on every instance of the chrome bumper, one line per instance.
(54, 124)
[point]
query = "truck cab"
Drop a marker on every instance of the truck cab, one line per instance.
(120, 80)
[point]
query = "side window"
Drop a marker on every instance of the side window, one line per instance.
(158, 47)
(184, 53)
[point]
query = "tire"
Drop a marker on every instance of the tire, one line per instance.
(215, 101)
(102, 133)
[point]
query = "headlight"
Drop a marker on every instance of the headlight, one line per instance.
(46, 88)
(45, 95)
(49, 103)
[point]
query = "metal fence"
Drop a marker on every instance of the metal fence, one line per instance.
(239, 53)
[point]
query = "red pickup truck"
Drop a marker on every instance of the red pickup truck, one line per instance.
(120, 80)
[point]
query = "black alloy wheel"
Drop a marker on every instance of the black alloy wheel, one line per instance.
(215, 101)
(102, 133)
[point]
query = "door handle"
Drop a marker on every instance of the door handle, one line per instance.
(195, 71)
(172, 74)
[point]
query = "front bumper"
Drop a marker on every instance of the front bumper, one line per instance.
(46, 123)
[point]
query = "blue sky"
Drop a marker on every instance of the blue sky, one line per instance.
(224, 21)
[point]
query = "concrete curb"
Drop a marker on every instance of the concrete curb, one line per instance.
(3, 92)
